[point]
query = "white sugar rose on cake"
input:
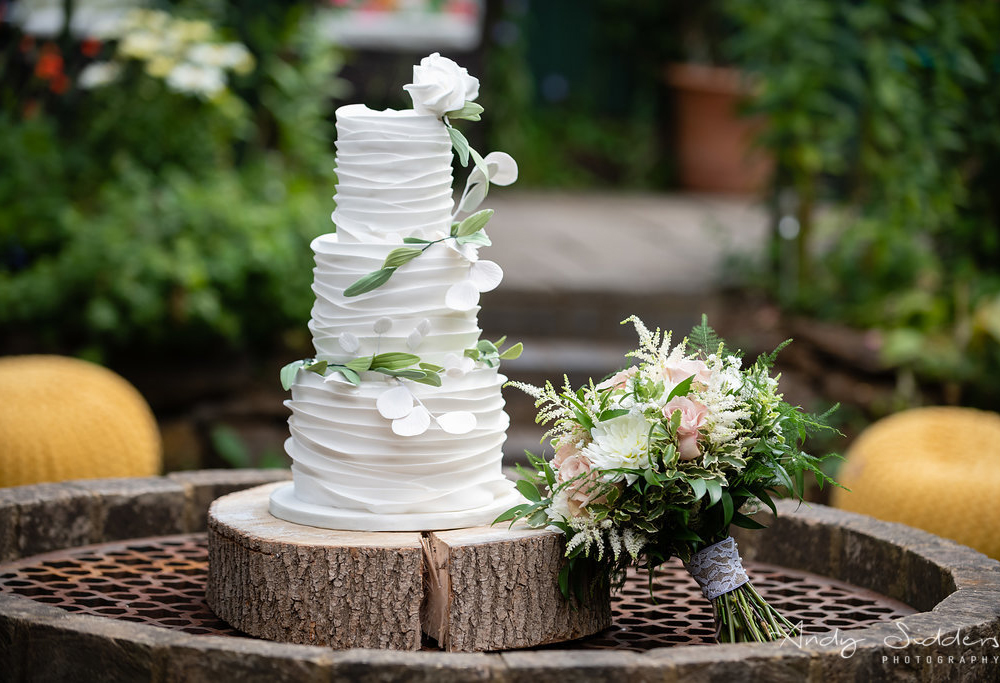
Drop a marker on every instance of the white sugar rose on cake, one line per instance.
(398, 421)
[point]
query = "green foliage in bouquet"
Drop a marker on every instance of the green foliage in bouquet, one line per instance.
(662, 458)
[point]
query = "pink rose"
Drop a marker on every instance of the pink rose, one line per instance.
(693, 416)
(619, 379)
(675, 374)
(572, 465)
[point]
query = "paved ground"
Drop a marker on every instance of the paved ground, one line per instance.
(620, 242)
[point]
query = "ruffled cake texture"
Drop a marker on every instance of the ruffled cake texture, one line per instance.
(352, 469)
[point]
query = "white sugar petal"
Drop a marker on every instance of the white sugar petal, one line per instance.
(485, 275)
(414, 424)
(395, 403)
(458, 422)
(424, 326)
(462, 296)
(474, 197)
(382, 325)
(414, 340)
(502, 168)
(348, 342)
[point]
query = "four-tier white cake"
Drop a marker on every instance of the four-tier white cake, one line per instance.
(384, 452)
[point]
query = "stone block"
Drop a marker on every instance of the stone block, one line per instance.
(48, 517)
(204, 486)
(379, 666)
(211, 660)
(559, 666)
(135, 508)
(764, 663)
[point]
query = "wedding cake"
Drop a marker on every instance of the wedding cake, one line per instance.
(398, 422)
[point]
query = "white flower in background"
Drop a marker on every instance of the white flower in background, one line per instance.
(140, 45)
(223, 56)
(98, 74)
(619, 442)
(440, 86)
(196, 80)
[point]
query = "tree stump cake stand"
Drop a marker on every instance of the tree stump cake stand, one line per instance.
(475, 589)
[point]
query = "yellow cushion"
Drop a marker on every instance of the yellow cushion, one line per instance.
(63, 418)
(936, 469)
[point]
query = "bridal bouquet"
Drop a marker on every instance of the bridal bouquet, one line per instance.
(660, 459)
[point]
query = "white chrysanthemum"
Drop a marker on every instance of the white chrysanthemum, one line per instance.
(99, 74)
(196, 80)
(620, 442)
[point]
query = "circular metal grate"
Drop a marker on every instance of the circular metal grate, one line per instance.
(161, 581)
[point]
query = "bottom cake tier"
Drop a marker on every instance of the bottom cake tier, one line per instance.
(352, 470)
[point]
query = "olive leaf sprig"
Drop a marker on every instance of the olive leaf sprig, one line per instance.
(398, 364)
(468, 231)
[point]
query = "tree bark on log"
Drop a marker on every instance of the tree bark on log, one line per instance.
(494, 588)
(299, 584)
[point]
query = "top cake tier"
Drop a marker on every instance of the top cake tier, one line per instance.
(394, 175)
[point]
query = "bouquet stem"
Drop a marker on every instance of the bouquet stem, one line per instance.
(743, 616)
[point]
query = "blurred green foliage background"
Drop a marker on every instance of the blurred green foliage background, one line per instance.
(138, 217)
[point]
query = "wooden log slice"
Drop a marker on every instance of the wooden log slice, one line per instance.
(476, 589)
(299, 584)
(494, 588)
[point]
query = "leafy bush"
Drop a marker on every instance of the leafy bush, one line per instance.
(891, 110)
(151, 207)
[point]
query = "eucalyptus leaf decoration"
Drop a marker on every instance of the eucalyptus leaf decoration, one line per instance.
(393, 364)
(398, 364)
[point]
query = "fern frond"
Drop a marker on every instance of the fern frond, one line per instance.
(704, 339)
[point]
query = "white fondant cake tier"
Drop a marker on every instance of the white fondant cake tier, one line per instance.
(350, 468)
(416, 293)
(394, 175)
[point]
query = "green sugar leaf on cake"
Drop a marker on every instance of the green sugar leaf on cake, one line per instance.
(460, 145)
(400, 256)
(394, 361)
(479, 238)
(359, 364)
(474, 223)
(470, 111)
(288, 373)
(369, 282)
(512, 352)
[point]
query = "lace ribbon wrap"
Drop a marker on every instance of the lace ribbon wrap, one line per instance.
(717, 569)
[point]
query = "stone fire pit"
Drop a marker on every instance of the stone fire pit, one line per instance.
(946, 628)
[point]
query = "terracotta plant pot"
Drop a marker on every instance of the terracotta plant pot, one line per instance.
(715, 150)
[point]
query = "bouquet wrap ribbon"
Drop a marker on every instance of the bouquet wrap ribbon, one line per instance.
(717, 569)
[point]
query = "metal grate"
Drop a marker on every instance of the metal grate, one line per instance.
(161, 581)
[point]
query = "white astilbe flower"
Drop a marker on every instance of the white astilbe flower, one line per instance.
(652, 345)
(621, 442)
(723, 395)
(634, 541)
